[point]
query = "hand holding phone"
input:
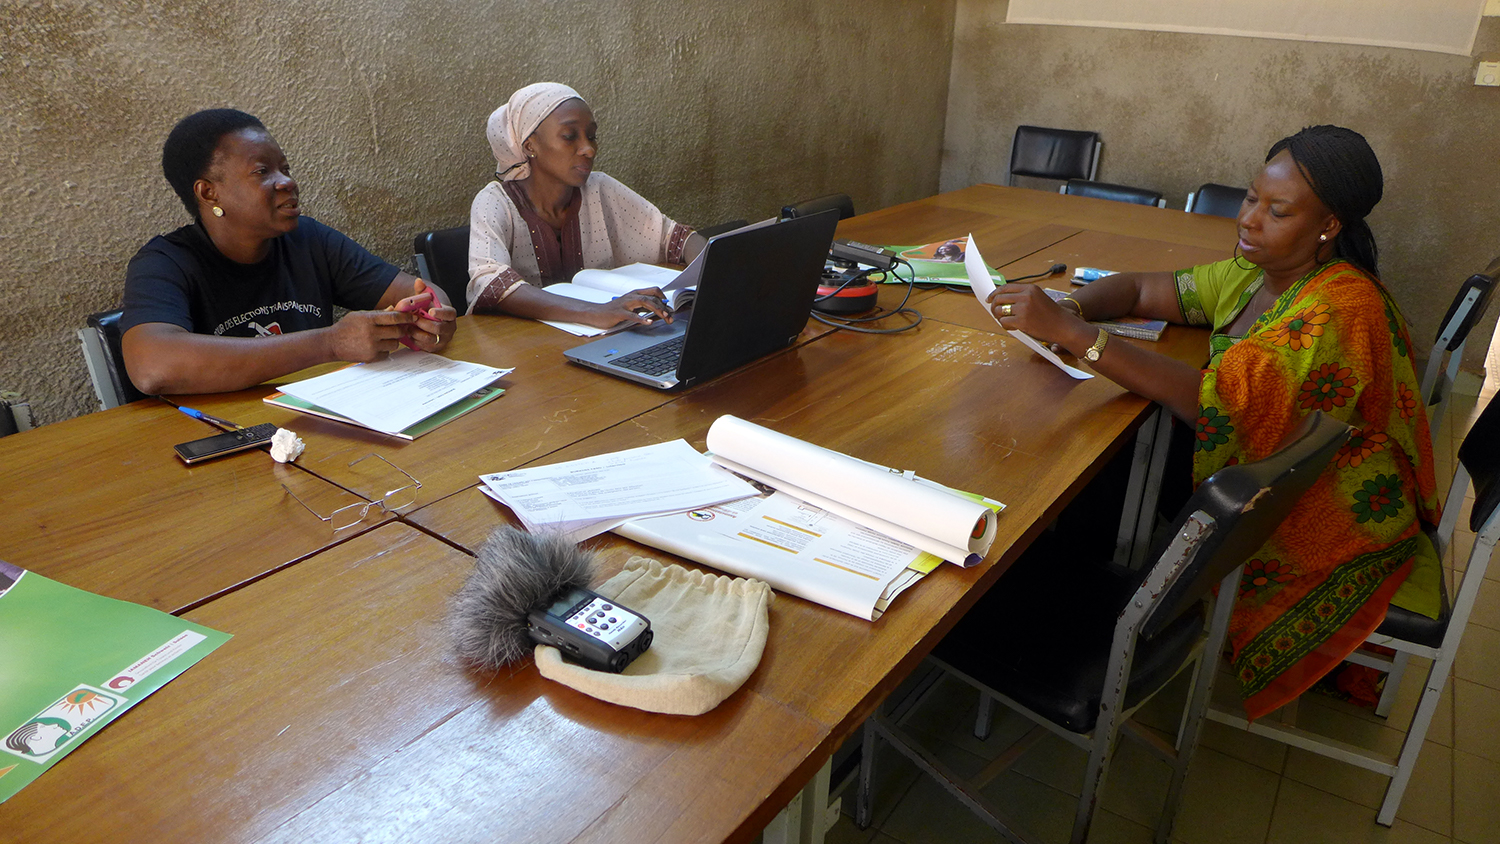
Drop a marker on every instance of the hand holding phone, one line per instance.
(422, 304)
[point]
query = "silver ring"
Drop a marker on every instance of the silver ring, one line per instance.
(1005, 310)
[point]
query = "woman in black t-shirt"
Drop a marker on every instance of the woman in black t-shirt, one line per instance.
(246, 292)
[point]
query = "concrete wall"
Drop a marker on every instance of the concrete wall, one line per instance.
(1177, 110)
(712, 110)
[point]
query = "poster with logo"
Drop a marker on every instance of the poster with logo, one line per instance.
(72, 661)
(939, 262)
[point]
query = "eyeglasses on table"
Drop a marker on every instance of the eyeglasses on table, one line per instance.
(393, 501)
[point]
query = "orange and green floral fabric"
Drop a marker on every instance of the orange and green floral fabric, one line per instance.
(1334, 342)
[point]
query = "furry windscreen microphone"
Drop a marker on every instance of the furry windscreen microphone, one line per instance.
(516, 572)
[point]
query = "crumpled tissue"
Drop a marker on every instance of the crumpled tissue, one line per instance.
(286, 447)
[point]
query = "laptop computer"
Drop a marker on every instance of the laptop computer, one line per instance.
(756, 287)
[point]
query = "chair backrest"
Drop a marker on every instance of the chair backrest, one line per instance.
(1453, 334)
(106, 361)
(839, 202)
(443, 259)
(1053, 154)
(1117, 193)
(721, 228)
(1218, 200)
(1246, 502)
(1479, 455)
(15, 414)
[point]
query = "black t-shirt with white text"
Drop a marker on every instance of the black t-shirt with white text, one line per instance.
(182, 279)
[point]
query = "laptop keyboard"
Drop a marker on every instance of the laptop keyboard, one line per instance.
(655, 360)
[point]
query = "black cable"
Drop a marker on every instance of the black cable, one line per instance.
(964, 285)
(1053, 270)
(850, 324)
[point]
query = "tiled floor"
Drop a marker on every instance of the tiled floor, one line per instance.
(1241, 788)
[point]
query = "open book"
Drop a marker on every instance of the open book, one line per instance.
(836, 530)
(599, 286)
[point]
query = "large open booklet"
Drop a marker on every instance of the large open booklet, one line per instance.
(601, 286)
(836, 530)
(795, 547)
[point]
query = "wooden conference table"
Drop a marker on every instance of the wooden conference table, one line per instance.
(337, 711)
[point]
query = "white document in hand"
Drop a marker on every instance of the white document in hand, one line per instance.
(398, 392)
(664, 478)
(979, 280)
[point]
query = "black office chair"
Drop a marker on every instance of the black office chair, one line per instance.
(15, 414)
(1218, 200)
(1078, 646)
(443, 259)
(807, 207)
(1413, 634)
(1453, 334)
(1115, 193)
(1053, 154)
(726, 226)
(105, 360)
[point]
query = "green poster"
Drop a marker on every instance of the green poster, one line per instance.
(72, 661)
(941, 262)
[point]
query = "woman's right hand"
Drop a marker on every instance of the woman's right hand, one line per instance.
(364, 336)
(628, 308)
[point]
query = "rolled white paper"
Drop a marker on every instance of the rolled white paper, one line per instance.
(935, 520)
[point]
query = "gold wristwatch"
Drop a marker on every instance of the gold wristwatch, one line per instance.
(1097, 349)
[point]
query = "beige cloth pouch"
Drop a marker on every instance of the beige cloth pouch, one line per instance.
(710, 631)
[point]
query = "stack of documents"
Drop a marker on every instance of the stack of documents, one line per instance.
(407, 394)
(837, 530)
(582, 498)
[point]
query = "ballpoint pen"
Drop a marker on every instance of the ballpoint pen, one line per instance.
(223, 424)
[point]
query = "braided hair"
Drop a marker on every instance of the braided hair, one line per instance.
(1345, 174)
(191, 145)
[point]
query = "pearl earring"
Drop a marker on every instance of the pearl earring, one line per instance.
(218, 212)
(1322, 238)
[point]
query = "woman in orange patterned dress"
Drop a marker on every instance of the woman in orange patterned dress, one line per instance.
(1300, 322)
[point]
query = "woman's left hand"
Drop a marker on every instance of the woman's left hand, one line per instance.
(1028, 308)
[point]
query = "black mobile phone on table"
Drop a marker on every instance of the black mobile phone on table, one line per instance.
(591, 630)
(226, 443)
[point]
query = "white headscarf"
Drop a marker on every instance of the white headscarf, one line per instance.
(511, 124)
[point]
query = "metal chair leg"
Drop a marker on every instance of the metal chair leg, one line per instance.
(1392, 684)
(985, 720)
(863, 810)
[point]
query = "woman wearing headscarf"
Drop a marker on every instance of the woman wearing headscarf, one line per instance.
(1300, 323)
(548, 214)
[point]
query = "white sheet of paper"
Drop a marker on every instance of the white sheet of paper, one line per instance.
(398, 392)
(979, 280)
(664, 478)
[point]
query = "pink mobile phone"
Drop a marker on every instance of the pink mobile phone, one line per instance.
(421, 304)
